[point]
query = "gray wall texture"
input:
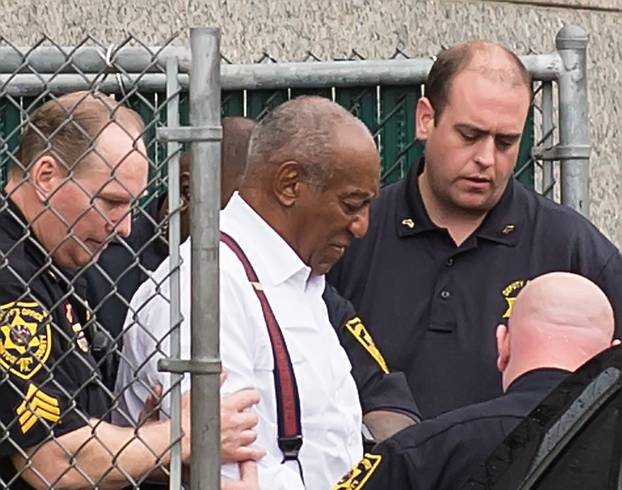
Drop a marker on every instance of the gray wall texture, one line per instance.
(288, 29)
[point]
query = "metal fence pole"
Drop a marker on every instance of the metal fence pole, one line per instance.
(205, 206)
(574, 140)
(172, 121)
(548, 174)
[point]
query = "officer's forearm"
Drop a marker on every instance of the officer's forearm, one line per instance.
(384, 423)
(99, 454)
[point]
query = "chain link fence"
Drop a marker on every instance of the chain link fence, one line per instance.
(107, 159)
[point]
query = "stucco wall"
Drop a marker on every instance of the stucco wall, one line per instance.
(375, 28)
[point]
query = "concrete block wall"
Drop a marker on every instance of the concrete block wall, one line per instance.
(375, 28)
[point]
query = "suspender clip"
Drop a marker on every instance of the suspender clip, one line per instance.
(290, 447)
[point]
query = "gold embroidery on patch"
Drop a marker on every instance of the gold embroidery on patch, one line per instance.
(35, 407)
(358, 330)
(26, 338)
(509, 293)
(360, 474)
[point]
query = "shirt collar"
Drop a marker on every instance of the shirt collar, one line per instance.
(542, 378)
(271, 256)
(16, 226)
(412, 217)
(503, 223)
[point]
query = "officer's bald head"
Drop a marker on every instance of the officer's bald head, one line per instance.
(559, 320)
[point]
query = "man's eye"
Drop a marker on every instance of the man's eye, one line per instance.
(352, 207)
(504, 144)
(470, 137)
(110, 203)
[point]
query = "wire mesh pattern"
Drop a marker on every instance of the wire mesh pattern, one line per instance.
(59, 344)
(58, 359)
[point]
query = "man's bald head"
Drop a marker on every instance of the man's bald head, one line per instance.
(305, 130)
(559, 320)
(491, 60)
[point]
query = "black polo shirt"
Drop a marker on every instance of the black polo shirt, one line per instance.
(378, 386)
(441, 453)
(49, 382)
(433, 307)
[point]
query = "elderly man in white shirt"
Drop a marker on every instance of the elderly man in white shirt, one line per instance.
(312, 171)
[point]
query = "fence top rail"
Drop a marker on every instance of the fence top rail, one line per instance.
(131, 60)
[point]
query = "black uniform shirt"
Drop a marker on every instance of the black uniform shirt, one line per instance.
(441, 453)
(49, 382)
(433, 307)
(379, 388)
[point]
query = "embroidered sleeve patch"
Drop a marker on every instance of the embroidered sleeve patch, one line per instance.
(25, 338)
(360, 474)
(360, 333)
(35, 407)
(510, 292)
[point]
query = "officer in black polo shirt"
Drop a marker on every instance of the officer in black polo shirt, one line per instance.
(560, 321)
(80, 165)
(451, 245)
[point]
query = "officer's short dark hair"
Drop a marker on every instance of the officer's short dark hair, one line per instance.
(67, 128)
(450, 62)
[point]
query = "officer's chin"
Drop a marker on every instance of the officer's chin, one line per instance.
(79, 259)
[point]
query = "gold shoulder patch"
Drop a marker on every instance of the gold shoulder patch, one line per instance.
(25, 338)
(36, 406)
(358, 476)
(360, 333)
(510, 292)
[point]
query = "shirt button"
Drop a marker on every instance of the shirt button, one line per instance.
(450, 262)
(445, 294)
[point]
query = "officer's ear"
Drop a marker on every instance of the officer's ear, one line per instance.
(503, 347)
(424, 118)
(46, 175)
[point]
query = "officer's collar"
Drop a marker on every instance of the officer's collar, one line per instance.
(412, 217)
(502, 224)
(16, 226)
(541, 378)
(13, 218)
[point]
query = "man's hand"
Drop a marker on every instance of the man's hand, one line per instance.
(236, 427)
(384, 423)
(151, 408)
(248, 478)
(185, 428)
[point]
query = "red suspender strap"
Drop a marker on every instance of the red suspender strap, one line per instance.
(287, 399)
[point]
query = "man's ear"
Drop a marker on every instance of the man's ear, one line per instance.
(46, 176)
(287, 182)
(424, 118)
(503, 347)
(184, 186)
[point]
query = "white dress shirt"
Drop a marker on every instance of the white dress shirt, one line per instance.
(330, 409)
